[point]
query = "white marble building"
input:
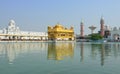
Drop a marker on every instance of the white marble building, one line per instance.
(115, 33)
(12, 32)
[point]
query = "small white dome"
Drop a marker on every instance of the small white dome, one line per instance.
(12, 21)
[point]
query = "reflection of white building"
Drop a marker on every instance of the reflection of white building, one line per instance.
(13, 32)
(12, 51)
(115, 34)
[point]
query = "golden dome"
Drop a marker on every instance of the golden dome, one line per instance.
(58, 26)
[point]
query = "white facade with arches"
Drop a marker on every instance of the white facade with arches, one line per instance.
(12, 32)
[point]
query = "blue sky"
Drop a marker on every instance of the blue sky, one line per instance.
(36, 15)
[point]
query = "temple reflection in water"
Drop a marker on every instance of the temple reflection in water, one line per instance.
(59, 51)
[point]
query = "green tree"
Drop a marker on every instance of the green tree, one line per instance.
(96, 37)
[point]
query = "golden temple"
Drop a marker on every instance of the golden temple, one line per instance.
(58, 32)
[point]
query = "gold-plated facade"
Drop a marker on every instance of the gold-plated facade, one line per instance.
(58, 32)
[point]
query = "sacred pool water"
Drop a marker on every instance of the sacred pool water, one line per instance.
(59, 58)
